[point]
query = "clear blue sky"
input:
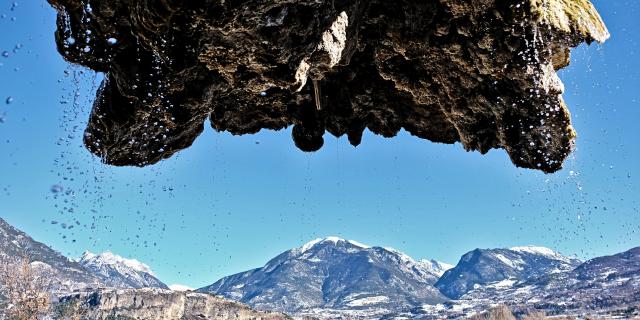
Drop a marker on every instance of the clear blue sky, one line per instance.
(228, 204)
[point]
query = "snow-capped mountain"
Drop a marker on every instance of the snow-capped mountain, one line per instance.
(64, 273)
(91, 271)
(118, 272)
(436, 267)
(501, 267)
(335, 274)
(333, 278)
(600, 286)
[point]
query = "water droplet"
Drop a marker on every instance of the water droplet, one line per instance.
(9, 100)
(5, 54)
(263, 94)
(112, 41)
(71, 41)
(56, 188)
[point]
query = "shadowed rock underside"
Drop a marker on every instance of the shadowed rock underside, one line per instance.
(479, 72)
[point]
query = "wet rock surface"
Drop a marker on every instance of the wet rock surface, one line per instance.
(479, 72)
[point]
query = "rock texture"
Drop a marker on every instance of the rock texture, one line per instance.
(158, 304)
(479, 72)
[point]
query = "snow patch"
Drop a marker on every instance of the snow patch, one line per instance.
(542, 251)
(506, 283)
(368, 301)
(180, 287)
(516, 264)
(335, 240)
(437, 267)
(108, 258)
(535, 250)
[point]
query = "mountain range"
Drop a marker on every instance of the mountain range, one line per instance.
(105, 270)
(334, 278)
(335, 274)
(482, 266)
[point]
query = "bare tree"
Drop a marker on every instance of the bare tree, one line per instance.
(23, 292)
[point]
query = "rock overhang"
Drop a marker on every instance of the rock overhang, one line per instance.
(479, 72)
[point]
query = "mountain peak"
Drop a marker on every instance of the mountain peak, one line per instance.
(119, 272)
(482, 267)
(334, 273)
(332, 240)
(438, 267)
(535, 250)
(543, 251)
(111, 259)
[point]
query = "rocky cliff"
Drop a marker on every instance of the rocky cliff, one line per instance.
(159, 304)
(479, 72)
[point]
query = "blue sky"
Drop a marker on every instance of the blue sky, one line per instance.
(228, 204)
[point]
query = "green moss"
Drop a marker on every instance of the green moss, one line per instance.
(578, 18)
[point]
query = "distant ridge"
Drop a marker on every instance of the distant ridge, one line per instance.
(337, 274)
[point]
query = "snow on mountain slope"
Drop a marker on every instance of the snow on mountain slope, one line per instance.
(180, 287)
(598, 285)
(436, 267)
(119, 272)
(336, 274)
(484, 267)
(335, 240)
(63, 273)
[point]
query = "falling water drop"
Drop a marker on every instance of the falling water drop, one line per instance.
(56, 188)
(112, 41)
(9, 100)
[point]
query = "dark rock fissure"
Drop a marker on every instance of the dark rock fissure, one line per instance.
(479, 72)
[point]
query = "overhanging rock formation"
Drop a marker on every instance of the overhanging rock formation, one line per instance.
(479, 72)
